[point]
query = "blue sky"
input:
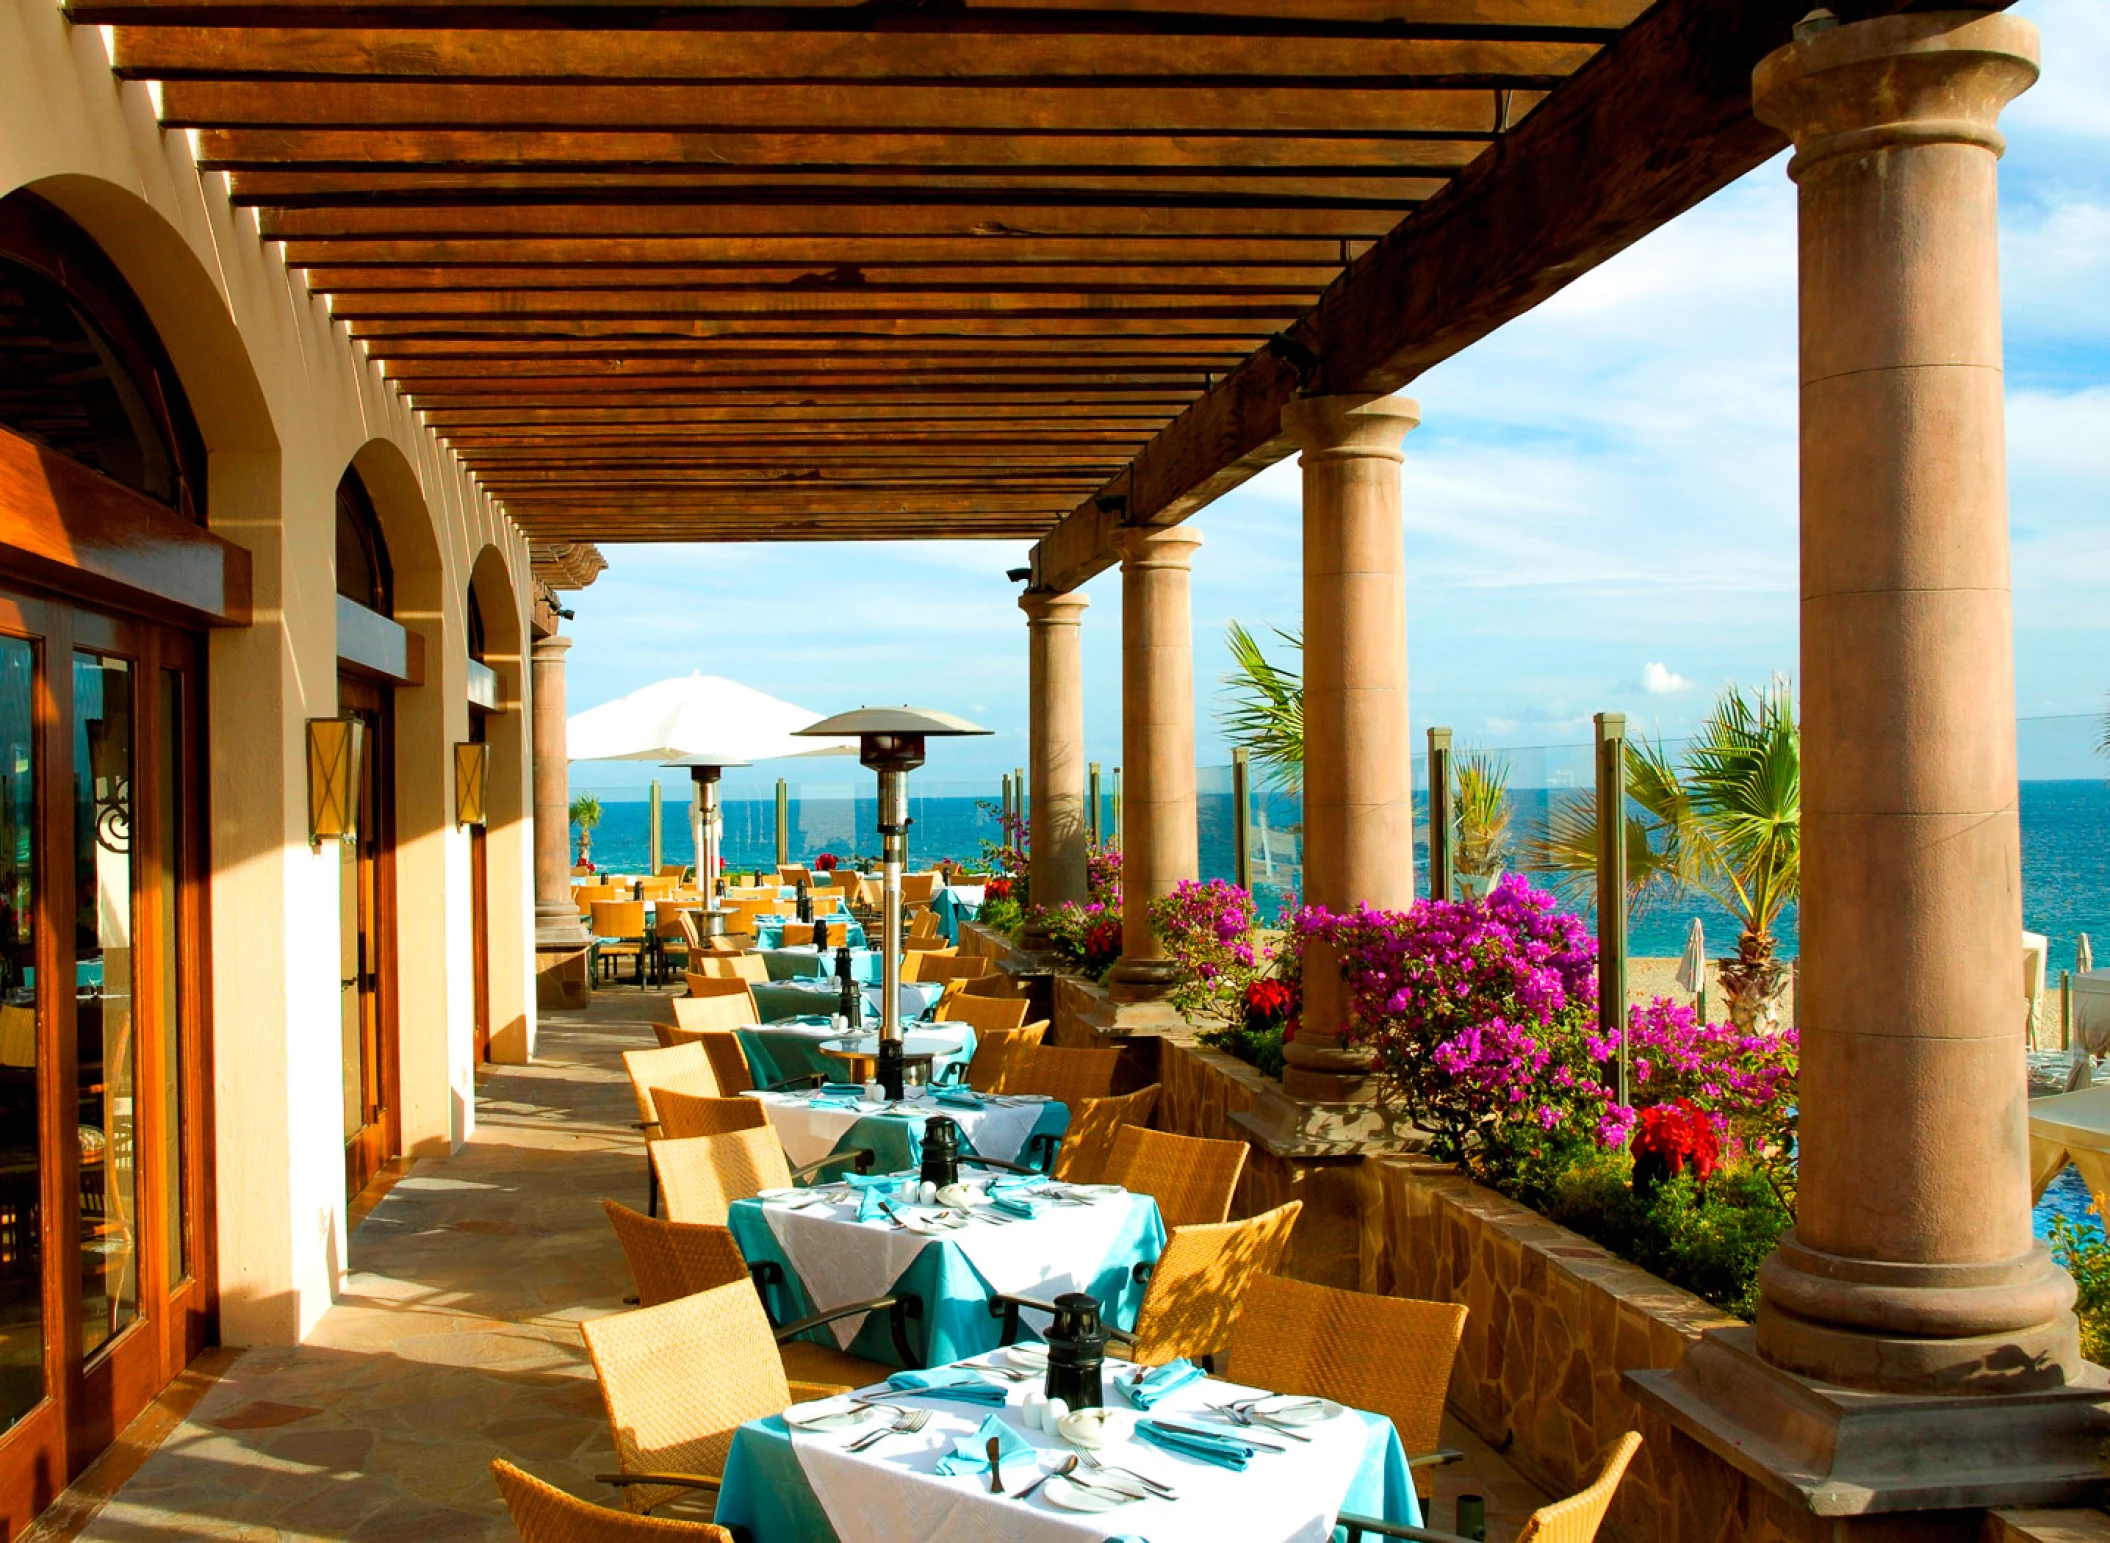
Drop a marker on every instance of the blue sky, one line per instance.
(1600, 502)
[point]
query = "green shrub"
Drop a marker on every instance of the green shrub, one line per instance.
(1260, 1049)
(2085, 1254)
(1005, 916)
(1708, 1239)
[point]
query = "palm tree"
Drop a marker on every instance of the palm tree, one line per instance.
(1728, 825)
(1482, 813)
(1266, 707)
(586, 814)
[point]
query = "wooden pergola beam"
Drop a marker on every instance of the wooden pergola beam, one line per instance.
(1656, 122)
(794, 255)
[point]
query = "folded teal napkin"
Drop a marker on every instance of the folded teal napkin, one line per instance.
(1154, 1384)
(843, 1089)
(877, 1180)
(831, 1101)
(1018, 1181)
(948, 1382)
(957, 1097)
(970, 1454)
(1015, 1204)
(1223, 1451)
(871, 1204)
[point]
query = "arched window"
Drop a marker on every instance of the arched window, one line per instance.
(363, 573)
(81, 371)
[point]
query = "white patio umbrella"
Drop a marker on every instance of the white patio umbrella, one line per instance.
(1692, 966)
(2083, 955)
(703, 722)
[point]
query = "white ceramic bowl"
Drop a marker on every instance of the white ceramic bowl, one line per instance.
(1095, 1428)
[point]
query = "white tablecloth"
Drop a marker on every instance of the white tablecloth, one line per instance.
(843, 1260)
(890, 1493)
(811, 1132)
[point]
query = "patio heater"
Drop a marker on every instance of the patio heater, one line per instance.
(706, 820)
(890, 741)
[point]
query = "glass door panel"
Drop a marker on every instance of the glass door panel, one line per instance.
(21, 1167)
(107, 1114)
(170, 869)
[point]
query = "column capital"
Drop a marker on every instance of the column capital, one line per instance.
(551, 649)
(1049, 608)
(1933, 77)
(1326, 427)
(1159, 546)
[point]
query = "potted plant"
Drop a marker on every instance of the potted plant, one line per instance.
(586, 814)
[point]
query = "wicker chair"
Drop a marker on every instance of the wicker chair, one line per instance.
(795, 874)
(542, 1513)
(1390, 1355)
(934, 965)
(924, 925)
(1089, 1142)
(748, 967)
(1196, 1290)
(701, 1176)
(698, 1015)
(917, 956)
(619, 933)
(678, 1380)
(729, 1061)
(673, 932)
(672, 1260)
(741, 992)
(982, 1014)
(993, 1053)
(996, 985)
(684, 1114)
(1191, 1179)
(1067, 1076)
(677, 1069)
(921, 888)
(1574, 1520)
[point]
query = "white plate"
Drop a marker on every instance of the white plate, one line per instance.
(1027, 1357)
(1284, 1409)
(793, 1193)
(1095, 1428)
(827, 1414)
(1096, 1191)
(1072, 1496)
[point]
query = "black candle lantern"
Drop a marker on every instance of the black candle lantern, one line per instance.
(1076, 1352)
(820, 933)
(941, 1152)
(805, 903)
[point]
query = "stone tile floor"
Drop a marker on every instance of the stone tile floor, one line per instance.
(454, 1340)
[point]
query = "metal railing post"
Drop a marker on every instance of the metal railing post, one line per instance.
(653, 845)
(1439, 814)
(1241, 807)
(1093, 815)
(1611, 886)
(783, 822)
(1117, 806)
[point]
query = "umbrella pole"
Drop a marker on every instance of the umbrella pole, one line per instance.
(893, 834)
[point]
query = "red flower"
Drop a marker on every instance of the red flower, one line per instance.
(1673, 1135)
(997, 889)
(826, 862)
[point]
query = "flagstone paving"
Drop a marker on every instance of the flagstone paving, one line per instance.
(455, 1340)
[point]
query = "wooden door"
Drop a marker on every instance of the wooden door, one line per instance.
(105, 1196)
(367, 923)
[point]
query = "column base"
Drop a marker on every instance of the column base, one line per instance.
(1323, 1070)
(1142, 980)
(1292, 1126)
(1842, 1452)
(561, 960)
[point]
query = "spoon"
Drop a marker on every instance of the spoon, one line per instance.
(1061, 1470)
(996, 1477)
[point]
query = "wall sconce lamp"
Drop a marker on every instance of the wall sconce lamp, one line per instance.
(472, 771)
(335, 746)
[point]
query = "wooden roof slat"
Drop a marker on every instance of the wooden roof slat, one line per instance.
(316, 189)
(827, 152)
(894, 308)
(1198, 280)
(994, 223)
(1014, 109)
(821, 253)
(1101, 60)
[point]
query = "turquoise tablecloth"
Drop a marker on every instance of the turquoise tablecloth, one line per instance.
(781, 999)
(956, 903)
(803, 962)
(896, 1141)
(956, 1321)
(776, 1056)
(766, 1491)
(770, 931)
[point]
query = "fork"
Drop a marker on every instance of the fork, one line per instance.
(1242, 1414)
(906, 1423)
(1157, 1487)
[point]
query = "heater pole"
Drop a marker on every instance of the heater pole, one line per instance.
(893, 834)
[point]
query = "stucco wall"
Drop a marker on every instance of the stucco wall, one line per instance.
(286, 402)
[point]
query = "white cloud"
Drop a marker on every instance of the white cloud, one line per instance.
(1659, 681)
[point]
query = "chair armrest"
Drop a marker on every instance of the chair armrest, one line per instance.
(807, 1392)
(683, 1480)
(860, 1157)
(1008, 1308)
(1358, 1525)
(995, 1162)
(802, 1080)
(905, 1307)
(1044, 1148)
(1436, 1459)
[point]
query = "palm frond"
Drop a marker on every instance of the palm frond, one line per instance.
(1482, 812)
(1264, 709)
(1745, 776)
(1664, 848)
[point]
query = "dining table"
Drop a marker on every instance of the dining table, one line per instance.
(955, 903)
(802, 961)
(1019, 1236)
(1263, 1482)
(780, 1053)
(779, 1001)
(1021, 1129)
(773, 931)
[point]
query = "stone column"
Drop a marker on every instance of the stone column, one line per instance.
(1912, 1266)
(1159, 839)
(1358, 765)
(1057, 834)
(560, 942)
